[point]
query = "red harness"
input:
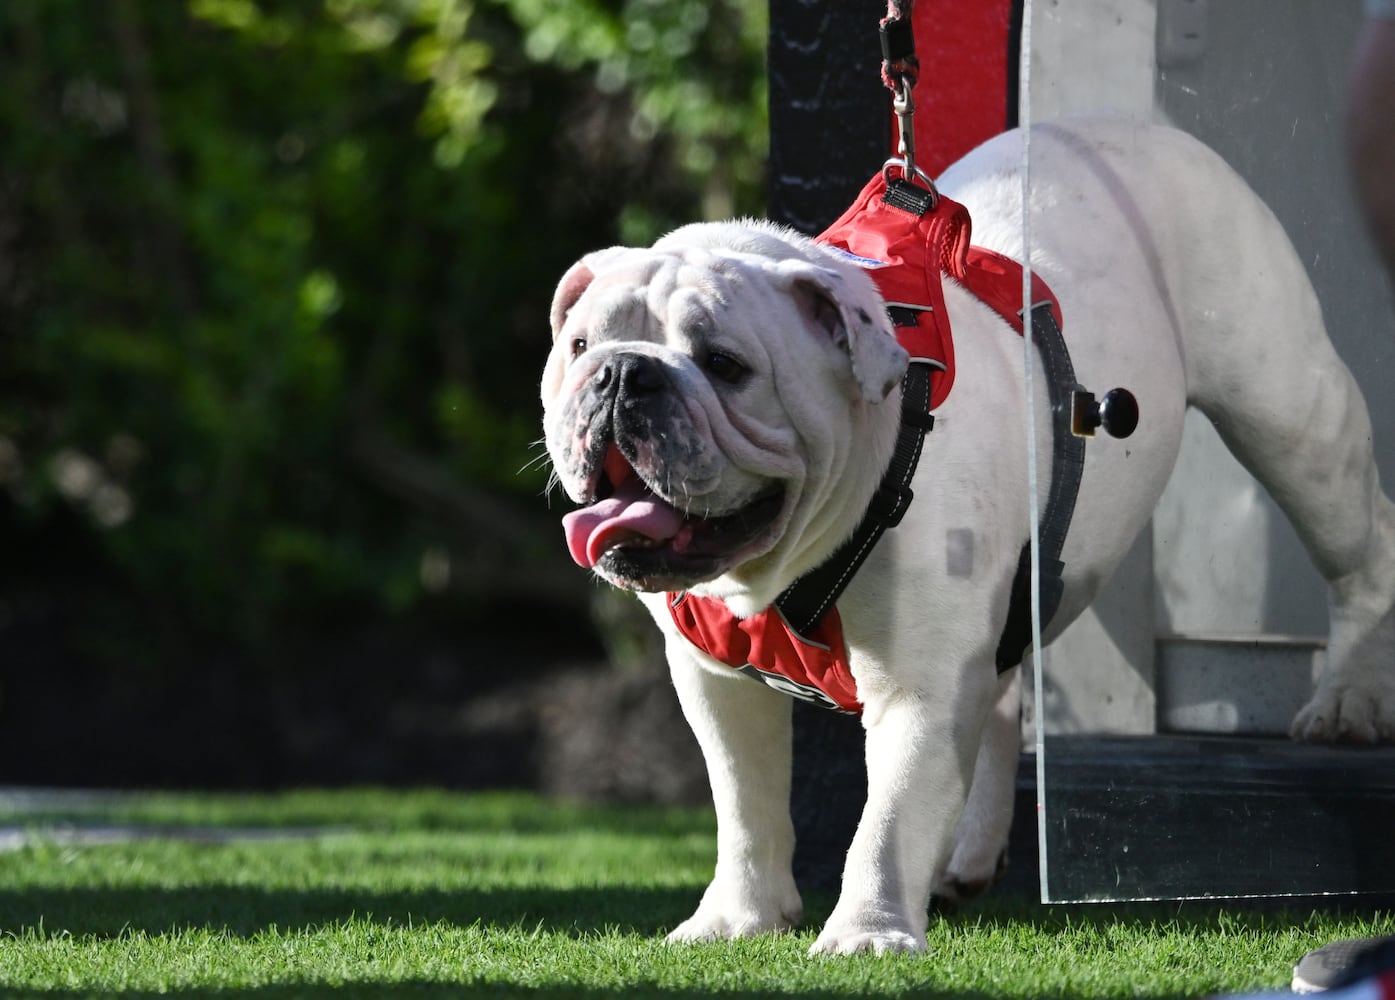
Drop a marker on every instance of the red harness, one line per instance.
(908, 261)
(906, 254)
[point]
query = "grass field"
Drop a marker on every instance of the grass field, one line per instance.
(429, 894)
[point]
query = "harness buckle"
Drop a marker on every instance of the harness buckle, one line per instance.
(889, 504)
(918, 418)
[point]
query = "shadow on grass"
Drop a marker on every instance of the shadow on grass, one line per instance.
(244, 912)
(1270, 914)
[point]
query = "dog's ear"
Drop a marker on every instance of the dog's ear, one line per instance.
(575, 282)
(850, 311)
(577, 279)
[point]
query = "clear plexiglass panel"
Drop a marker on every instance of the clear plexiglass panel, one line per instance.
(1164, 765)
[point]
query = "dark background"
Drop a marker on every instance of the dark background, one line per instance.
(274, 282)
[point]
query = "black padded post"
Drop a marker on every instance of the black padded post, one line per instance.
(830, 115)
(830, 130)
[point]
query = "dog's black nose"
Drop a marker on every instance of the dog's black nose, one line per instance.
(639, 374)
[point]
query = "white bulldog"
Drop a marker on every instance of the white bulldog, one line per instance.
(724, 403)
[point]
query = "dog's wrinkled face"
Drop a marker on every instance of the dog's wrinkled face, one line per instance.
(696, 399)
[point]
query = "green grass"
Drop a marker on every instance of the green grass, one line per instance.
(428, 894)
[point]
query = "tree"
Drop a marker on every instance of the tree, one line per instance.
(274, 279)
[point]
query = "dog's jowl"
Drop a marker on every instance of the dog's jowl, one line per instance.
(754, 451)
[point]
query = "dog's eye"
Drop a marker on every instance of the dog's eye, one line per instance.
(578, 347)
(724, 367)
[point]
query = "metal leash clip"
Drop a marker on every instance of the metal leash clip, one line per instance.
(904, 105)
(899, 71)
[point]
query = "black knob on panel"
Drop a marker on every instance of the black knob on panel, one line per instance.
(1118, 413)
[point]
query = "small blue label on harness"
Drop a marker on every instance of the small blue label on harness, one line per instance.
(870, 263)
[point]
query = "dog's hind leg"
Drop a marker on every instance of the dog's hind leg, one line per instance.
(1261, 367)
(981, 840)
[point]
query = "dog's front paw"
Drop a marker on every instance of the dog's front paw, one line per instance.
(718, 926)
(724, 914)
(877, 942)
(1348, 712)
(878, 933)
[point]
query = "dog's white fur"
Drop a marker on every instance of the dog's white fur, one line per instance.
(1176, 282)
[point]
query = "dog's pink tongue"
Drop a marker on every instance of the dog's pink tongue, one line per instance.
(631, 511)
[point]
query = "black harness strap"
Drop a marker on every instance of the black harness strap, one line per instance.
(1067, 465)
(807, 600)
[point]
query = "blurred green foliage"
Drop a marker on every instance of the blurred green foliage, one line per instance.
(274, 278)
